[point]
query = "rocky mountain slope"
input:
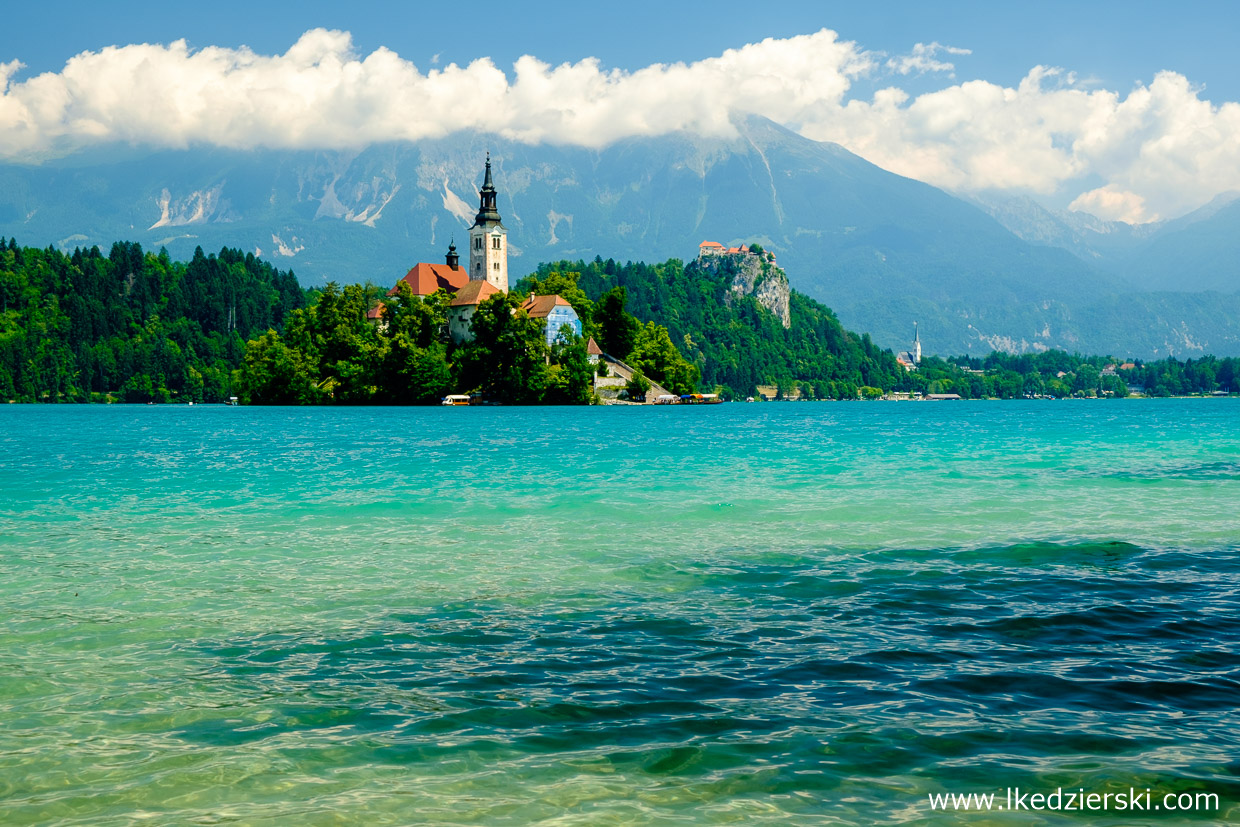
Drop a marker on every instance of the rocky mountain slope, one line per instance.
(882, 250)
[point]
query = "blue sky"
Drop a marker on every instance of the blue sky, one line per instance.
(1140, 123)
(1119, 43)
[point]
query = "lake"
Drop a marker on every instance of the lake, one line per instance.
(792, 613)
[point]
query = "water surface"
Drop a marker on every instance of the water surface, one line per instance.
(783, 613)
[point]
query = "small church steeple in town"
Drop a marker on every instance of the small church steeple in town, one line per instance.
(488, 238)
(916, 345)
(452, 259)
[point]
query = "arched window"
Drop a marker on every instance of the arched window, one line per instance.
(478, 269)
(494, 242)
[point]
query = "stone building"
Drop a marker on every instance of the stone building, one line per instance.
(464, 303)
(555, 312)
(488, 239)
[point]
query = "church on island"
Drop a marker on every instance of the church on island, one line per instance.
(485, 276)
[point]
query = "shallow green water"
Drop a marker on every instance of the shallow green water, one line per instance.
(785, 613)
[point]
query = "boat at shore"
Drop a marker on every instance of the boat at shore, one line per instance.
(456, 399)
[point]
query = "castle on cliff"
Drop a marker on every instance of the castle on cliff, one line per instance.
(714, 248)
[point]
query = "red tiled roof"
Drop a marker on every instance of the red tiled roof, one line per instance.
(592, 348)
(711, 244)
(376, 312)
(539, 307)
(426, 278)
(474, 292)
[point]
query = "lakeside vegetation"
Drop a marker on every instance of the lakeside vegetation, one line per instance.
(732, 342)
(329, 353)
(135, 326)
(132, 326)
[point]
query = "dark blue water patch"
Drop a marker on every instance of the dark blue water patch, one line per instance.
(1103, 555)
(901, 661)
(1204, 471)
(1012, 692)
(1108, 624)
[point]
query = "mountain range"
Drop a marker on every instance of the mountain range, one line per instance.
(882, 250)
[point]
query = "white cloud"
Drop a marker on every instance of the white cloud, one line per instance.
(1158, 150)
(1113, 205)
(924, 59)
(321, 94)
(1161, 143)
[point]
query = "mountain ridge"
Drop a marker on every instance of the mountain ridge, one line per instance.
(880, 249)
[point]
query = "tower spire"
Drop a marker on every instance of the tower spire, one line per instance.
(487, 211)
(488, 238)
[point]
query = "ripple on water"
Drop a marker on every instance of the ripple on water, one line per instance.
(810, 617)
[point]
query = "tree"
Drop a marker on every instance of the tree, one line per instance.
(570, 380)
(414, 375)
(1086, 380)
(658, 358)
(424, 320)
(507, 359)
(618, 330)
(275, 374)
(637, 387)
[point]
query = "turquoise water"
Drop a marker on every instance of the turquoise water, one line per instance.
(779, 613)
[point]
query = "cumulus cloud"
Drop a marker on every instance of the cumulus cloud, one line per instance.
(321, 94)
(924, 59)
(1160, 143)
(1158, 150)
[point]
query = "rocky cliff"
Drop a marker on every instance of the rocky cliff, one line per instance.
(751, 274)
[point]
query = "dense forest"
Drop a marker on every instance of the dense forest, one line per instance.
(132, 326)
(136, 326)
(737, 345)
(733, 343)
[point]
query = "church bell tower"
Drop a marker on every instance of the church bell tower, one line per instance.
(488, 239)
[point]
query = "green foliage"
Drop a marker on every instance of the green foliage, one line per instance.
(275, 374)
(507, 360)
(570, 380)
(132, 325)
(139, 327)
(346, 351)
(733, 342)
(638, 386)
(656, 357)
(617, 329)
(330, 354)
(420, 319)
(415, 375)
(1058, 374)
